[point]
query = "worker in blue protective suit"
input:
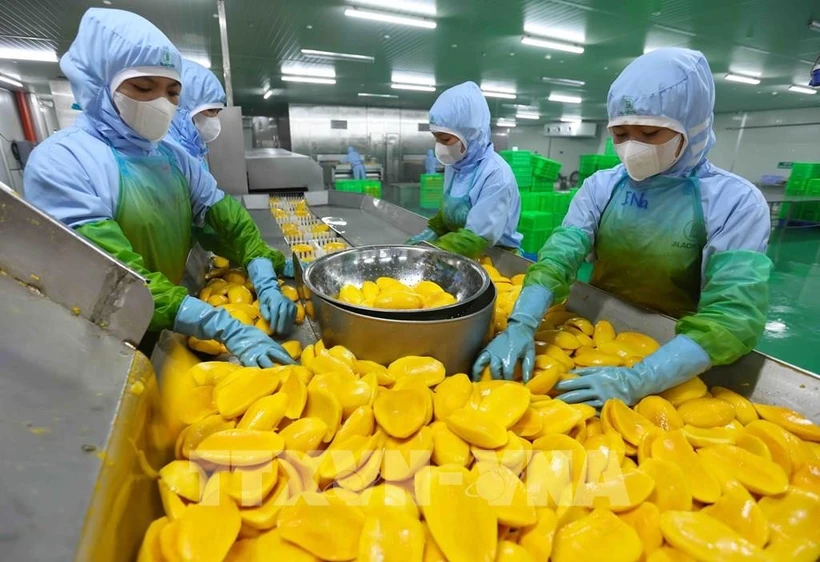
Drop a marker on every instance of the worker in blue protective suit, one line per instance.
(114, 180)
(196, 122)
(430, 162)
(670, 231)
(356, 164)
(481, 204)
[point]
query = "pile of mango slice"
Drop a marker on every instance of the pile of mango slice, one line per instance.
(389, 293)
(232, 290)
(343, 459)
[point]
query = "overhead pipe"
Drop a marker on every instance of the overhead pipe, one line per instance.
(25, 116)
(226, 57)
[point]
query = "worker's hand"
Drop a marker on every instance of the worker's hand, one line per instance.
(426, 235)
(515, 343)
(253, 348)
(274, 307)
(672, 364)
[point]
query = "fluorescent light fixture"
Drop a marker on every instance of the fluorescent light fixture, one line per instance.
(554, 45)
(570, 119)
(792, 88)
(336, 56)
(320, 71)
(38, 55)
(554, 33)
(742, 79)
(419, 78)
(308, 79)
(523, 115)
(564, 99)
(10, 81)
(409, 6)
(502, 95)
(390, 18)
(267, 94)
(414, 87)
(369, 95)
(509, 123)
(563, 81)
(814, 25)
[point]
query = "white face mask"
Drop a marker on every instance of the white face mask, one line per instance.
(645, 160)
(149, 119)
(450, 154)
(208, 127)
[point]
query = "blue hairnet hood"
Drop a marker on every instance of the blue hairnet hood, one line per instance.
(463, 110)
(672, 84)
(200, 90)
(108, 42)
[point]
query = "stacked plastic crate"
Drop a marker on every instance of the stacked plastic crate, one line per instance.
(431, 191)
(804, 179)
(521, 163)
(591, 163)
(372, 188)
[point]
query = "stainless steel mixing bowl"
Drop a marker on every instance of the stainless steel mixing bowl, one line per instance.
(456, 342)
(459, 276)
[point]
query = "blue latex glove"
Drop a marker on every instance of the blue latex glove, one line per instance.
(277, 309)
(253, 348)
(517, 342)
(426, 235)
(287, 271)
(672, 364)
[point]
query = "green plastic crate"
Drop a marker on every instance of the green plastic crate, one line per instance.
(534, 220)
(805, 170)
(544, 168)
(813, 187)
(373, 188)
(517, 157)
(351, 186)
(590, 163)
(534, 201)
(534, 241)
(430, 198)
(541, 185)
(796, 186)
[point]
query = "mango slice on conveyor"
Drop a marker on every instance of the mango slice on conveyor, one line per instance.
(598, 536)
(240, 447)
(323, 525)
(705, 538)
(757, 474)
(391, 537)
(477, 428)
(674, 447)
(706, 412)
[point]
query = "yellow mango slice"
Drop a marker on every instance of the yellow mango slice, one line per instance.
(792, 550)
(792, 515)
(529, 425)
(360, 422)
(323, 525)
(514, 455)
(296, 391)
(240, 447)
(305, 434)
(582, 324)
(564, 340)
(674, 447)
(234, 398)
(753, 444)
(660, 412)
(705, 538)
(669, 554)
(616, 491)
(537, 539)
(390, 498)
(564, 445)
(738, 509)
(401, 412)
(211, 372)
(560, 355)
(699, 437)
(603, 332)
(449, 448)
(603, 454)
(263, 516)
(452, 512)
(323, 405)
(556, 417)
(757, 474)
(506, 404)
(429, 370)
(772, 436)
(598, 536)
(621, 349)
(744, 409)
(248, 486)
(404, 457)
(184, 478)
(198, 405)
(262, 325)
(641, 341)
(808, 477)
(326, 363)
(511, 552)
(172, 504)
(350, 391)
(790, 421)
(196, 433)
(517, 279)
(395, 299)
(706, 412)
(265, 414)
(150, 550)
(206, 532)
(391, 537)
(451, 394)
(689, 390)
(169, 542)
(630, 424)
(351, 294)
(477, 428)
(646, 520)
(368, 472)
(343, 458)
(370, 290)
(439, 300)
(505, 493)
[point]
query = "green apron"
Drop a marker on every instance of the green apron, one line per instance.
(649, 245)
(154, 211)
